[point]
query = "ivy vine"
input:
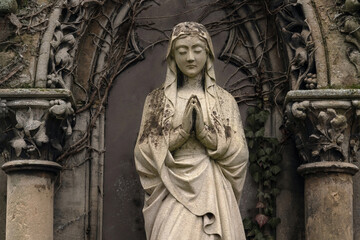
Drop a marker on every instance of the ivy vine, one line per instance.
(264, 168)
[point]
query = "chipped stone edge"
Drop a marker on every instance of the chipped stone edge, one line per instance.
(31, 165)
(327, 167)
(36, 93)
(322, 94)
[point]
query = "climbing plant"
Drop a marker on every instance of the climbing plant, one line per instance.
(264, 158)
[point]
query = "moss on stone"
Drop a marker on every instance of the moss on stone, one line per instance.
(8, 6)
(352, 86)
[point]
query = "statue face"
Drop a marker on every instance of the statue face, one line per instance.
(190, 55)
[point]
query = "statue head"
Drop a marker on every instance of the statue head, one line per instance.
(190, 47)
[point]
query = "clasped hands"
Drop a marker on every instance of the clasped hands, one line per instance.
(193, 119)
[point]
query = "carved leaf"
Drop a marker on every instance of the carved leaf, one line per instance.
(261, 219)
(41, 137)
(21, 119)
(32, 125)
(323, 118)
(314, 138)
(69, 128)
(18, 143)
(55, 144)
(331, 112)
(339, 123)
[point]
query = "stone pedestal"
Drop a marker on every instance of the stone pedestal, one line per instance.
(30, 199)
(328, 200)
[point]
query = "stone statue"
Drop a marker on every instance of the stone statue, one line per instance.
(191, 153)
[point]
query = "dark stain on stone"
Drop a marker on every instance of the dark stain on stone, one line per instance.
(227, 131)
(152, 124)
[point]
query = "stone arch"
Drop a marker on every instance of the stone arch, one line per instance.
(245, 45)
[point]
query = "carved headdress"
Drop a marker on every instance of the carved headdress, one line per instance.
(170, 85)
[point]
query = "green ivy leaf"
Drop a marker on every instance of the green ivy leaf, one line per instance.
(269, 211)
(275, 169)
(252, 157)
(275, 192)
(273, 222)
(260, 132)
(247, 224)
(267, 196)
(262, 159)
(256, 177)
(260, 194)
(267, 183)
(251, 144)
(276, 158)
(249, 134)
(267, 174)
(254, 168)
(268, 151)
(270, 237)
(262, 116)
(261, 152)
(251, 110)
(251, 121)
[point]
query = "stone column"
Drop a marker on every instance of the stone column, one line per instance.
(326, 130)
(35, 124)
(30, 199)
(328, 199)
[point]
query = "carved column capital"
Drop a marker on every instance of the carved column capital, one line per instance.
(34, 123)
(325, 124)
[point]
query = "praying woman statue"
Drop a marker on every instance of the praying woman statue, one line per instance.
(191, 153)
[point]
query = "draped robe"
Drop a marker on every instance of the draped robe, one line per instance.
(199, 199)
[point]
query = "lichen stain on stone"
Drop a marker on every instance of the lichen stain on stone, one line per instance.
(153, 117)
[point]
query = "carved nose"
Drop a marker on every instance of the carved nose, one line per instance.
(190, 57)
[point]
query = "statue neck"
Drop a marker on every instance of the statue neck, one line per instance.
(193, 82)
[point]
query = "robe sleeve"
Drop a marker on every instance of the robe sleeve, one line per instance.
(208, 138)
(231, 154)
(144, 162)
(177, 138)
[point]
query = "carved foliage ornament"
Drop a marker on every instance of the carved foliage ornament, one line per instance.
(30, 132)
(300, 46)
(322, 132)
(348, 21)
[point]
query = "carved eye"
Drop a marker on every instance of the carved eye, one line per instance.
(198, 49)
(182, 52)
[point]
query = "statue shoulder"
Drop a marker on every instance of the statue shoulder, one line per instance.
(224, 96)
(155, 95)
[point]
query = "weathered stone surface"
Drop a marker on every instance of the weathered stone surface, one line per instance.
(5, 28)
(30, 197)
(328, 200)
(7, 6)
(6, 58)
(356, 206)
(290, 201)
(71, 204)
(342, 72)
(2, 201)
